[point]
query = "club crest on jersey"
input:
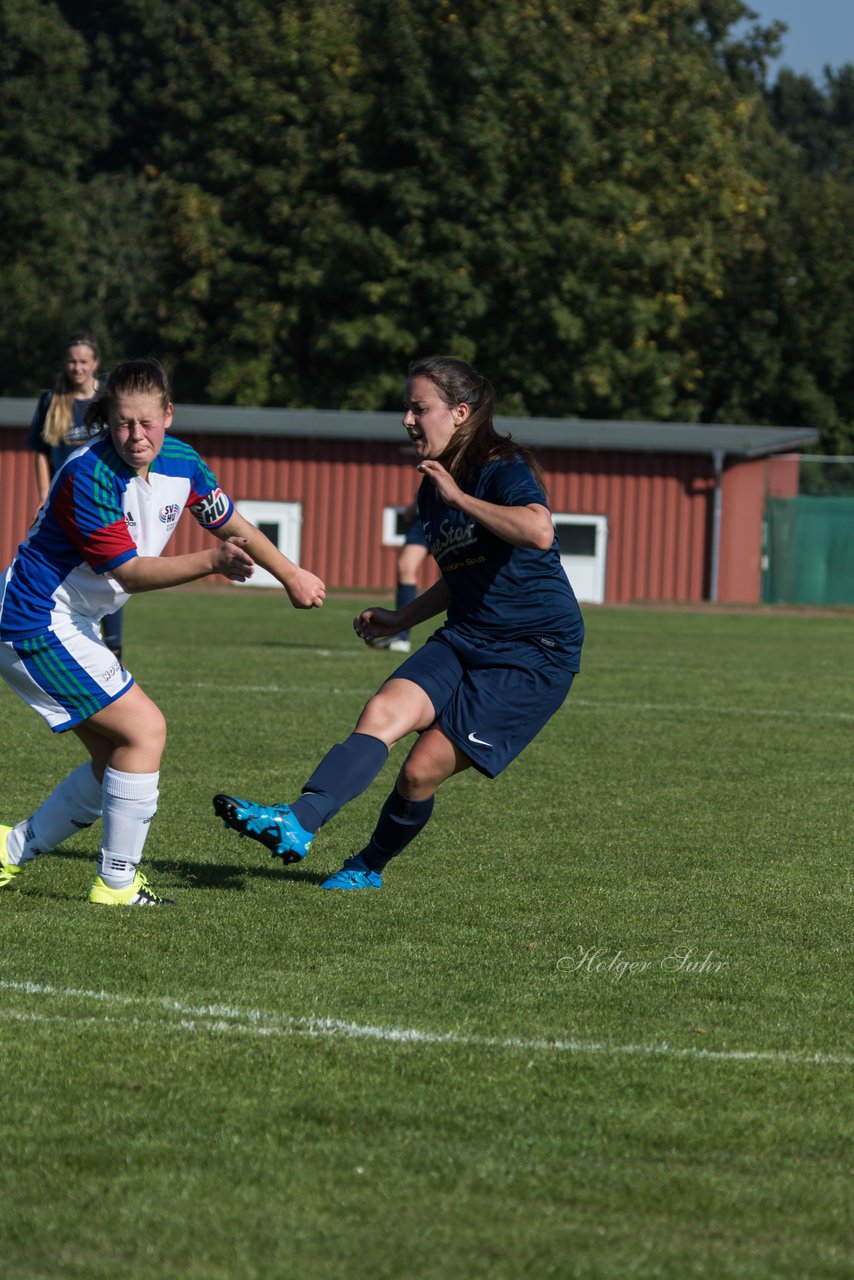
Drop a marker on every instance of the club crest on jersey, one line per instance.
(212, 509)
(170, 513)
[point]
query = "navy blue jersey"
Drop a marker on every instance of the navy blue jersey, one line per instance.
(78, 433)
(499, 591)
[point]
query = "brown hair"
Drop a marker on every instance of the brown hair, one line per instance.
(60, 412)
(131, 378)
(475, 441)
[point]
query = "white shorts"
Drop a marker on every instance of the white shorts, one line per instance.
(66, 673)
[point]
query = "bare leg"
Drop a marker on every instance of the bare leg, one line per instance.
(406, 812)
(127, 738)
(432, 760)
(125, 741)
(400, 707)
(128, 735)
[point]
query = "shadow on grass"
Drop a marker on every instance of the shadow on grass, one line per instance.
(203, 875)
(207, 875)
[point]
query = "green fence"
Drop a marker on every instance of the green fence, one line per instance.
(809, 551)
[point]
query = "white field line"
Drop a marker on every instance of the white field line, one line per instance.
(224, 1018)
(589, 704)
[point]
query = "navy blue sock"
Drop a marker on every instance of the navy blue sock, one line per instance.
(345, 772)
(406, 593)
(399, 823)
(111, 630)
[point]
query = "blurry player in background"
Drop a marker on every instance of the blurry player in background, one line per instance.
(98, 539)
(59, 427)
(499, 667)
(412, 555)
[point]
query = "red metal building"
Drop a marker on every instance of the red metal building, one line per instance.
(644, 511)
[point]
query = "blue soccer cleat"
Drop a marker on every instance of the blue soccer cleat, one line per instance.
(274, 825)
(355, 874)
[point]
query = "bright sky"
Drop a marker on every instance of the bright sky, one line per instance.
(821, 33)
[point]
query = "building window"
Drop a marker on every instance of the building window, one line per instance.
(583, 545)
(394, 526)
(282, 523)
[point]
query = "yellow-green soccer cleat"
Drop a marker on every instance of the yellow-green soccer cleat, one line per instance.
(8, 870)
(136, 894)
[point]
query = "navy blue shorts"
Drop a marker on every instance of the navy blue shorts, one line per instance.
(415, 535)
(492, 698)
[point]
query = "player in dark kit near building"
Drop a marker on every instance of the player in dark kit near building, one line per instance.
(484, 684)
(412, 555)
(97, 540)
(59, 427)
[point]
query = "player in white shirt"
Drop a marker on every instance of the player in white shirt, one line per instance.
(97, 540)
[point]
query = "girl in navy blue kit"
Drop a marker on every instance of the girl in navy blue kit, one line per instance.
(499, 667)
(412, 555)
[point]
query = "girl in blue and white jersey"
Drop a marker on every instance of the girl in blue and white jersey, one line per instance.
(97, 540)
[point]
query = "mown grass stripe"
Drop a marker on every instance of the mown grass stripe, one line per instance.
(588, 704)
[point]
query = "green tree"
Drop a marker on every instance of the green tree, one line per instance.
(555, 190)
(778, 347)
(819, 121)
(817, 325)
(43, 66)
(83, 243)
(241, 117)
(586, 197)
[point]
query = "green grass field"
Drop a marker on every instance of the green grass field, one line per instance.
(595, 1025)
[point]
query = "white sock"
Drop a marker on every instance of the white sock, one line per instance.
(129, 804)
(74, 804)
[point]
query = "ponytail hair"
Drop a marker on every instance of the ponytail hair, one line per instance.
(475, 441)
(60, 412)
(131, 378)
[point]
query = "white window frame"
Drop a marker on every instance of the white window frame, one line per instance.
(288, 517)
(391, 537)
(586, 573)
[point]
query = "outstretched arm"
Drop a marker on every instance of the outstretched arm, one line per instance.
(306, 591)
(151, 573)
(374, 622)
